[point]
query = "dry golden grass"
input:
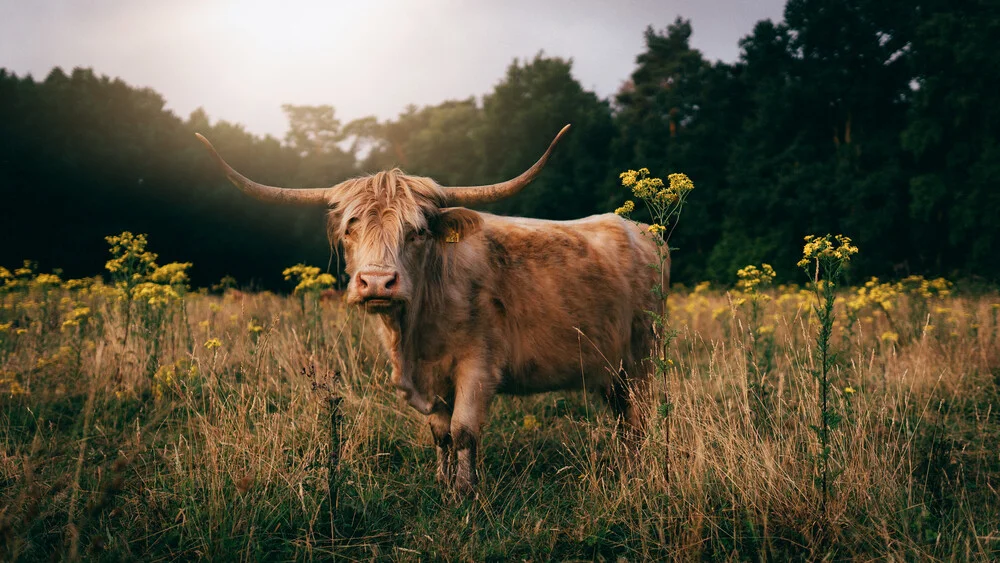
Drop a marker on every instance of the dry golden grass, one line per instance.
(156, 446)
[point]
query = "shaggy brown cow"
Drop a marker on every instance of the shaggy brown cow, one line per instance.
(472, 304)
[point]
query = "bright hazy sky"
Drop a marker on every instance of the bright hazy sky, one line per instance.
(242, 59)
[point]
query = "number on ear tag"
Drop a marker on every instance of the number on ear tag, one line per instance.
(453, 236)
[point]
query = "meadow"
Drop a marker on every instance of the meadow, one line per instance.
(142, 420)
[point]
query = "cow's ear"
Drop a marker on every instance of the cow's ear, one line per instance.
(455, 224)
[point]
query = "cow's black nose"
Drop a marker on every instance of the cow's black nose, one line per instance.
(377, 284)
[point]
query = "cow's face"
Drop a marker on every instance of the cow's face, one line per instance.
(391, 227)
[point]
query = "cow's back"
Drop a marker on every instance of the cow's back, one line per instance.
(566, 298)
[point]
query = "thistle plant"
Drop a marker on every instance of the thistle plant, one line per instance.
(664, 204)
(824, 260)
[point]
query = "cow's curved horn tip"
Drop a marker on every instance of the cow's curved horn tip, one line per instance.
(201, 138)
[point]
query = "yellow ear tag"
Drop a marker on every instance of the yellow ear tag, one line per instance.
(453, 236)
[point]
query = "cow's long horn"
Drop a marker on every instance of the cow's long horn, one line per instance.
(472, 195)
(318, 197)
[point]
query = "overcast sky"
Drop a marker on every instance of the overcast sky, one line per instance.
(242, 59)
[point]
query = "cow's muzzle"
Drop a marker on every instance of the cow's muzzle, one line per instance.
(378, 289)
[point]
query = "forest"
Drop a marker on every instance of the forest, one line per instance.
(873, 119)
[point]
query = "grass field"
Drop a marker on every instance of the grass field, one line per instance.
(183, 425)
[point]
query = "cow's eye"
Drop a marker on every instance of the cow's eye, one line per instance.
(350, 226)
(417, 234)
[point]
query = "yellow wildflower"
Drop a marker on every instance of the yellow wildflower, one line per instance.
(129, 256)
(212, 343)
(154, 293)
(530, 422)
(630, 177)
(849, 390)
(165, 373)
(310, 278)
(889, 336)
(656, 228)
(253, 327)
(76, 316)
(46, 280)
(626, 208)
(4, 327)
(753, 278)
(174, 273)
(203, 324)
(16, 389)
(823, 248)
(680, 183)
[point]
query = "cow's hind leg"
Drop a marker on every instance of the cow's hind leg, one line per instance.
(623, 394)
(440, 421)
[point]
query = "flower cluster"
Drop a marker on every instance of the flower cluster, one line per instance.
(652, 190)
(920, 287)
(75, 317)
(137, 275)
(309, 278)
(664, 201)
(169, 374)
(753, 279)
(10, 384)
(174, 273)
(154, 294)
(20, 278)
(626, 209)
(829, 248)
(46, 281)
(874, 293)
(530, 422)
(130, 257)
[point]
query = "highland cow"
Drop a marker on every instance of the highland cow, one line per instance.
(471, 304)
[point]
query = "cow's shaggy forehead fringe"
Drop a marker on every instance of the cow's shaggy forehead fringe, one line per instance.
(390, 196)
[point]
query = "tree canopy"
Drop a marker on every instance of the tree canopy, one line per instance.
(876, 120)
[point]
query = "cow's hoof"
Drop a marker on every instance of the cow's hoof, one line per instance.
(463, 487)
(443, 477)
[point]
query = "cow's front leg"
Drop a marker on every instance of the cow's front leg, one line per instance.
(440, 421)
(473, 391)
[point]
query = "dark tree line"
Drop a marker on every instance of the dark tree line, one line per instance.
(878, 120)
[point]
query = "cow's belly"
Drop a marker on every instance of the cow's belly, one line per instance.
(570, 369)
(530, 383)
